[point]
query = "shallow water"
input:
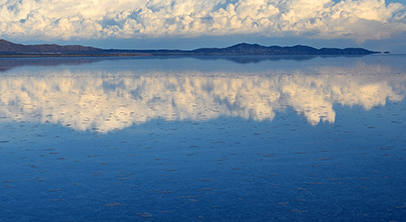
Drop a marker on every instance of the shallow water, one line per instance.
(200, 139)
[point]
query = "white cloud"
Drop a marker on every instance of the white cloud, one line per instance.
(98, 19)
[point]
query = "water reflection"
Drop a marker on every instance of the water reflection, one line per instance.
(258, 59)
(8, 64)
(115, 100)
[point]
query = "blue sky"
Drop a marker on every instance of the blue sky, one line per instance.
(187, 24)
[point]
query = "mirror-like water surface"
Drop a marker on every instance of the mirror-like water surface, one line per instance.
(192, 139)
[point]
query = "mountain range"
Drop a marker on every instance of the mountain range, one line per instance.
(9, 49)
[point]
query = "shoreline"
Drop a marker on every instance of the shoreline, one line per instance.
(69, 55)
(167, 55)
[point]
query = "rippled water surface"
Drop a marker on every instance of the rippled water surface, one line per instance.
(203, 139)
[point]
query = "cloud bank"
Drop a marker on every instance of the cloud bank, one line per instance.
(115, 100)
(102, 19)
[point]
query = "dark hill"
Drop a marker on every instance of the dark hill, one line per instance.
(255, 49)
(9, 48)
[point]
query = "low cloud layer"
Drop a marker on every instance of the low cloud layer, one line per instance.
(102, 19)
(115, 100)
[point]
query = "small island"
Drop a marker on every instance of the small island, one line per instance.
(9, 49)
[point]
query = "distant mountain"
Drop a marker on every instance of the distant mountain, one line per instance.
(8, 49)
(255, 49)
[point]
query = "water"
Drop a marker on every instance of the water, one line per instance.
(203, 139)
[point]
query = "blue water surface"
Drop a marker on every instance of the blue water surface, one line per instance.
(203, 139)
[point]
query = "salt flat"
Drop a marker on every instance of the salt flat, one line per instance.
(191, 139)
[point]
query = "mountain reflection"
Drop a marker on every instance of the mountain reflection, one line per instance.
(108, 101)
(10, 63)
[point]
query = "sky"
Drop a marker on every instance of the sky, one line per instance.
(188, 24)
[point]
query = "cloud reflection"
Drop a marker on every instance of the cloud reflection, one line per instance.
(108, 101)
